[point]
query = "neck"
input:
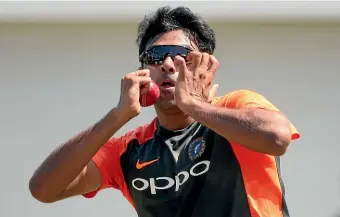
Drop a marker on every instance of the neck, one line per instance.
(174, 121)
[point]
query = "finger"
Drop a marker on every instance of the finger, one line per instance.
(212, 93)
(195, 58)
(143, 72)
(213, 64)
(143, 80)
(180, 64)
(138, 76)
(205, 61)
(144, 84)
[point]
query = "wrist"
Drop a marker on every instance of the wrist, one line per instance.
(188, 106)
(124, 114)
(198, 108)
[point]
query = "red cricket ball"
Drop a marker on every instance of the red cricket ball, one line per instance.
(151, 96)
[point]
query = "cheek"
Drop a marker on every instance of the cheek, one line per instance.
(154, 76)
(154, 72)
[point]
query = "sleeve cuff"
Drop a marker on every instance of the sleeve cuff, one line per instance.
(97, 160)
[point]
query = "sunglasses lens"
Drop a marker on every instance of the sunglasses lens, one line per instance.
(157, 54)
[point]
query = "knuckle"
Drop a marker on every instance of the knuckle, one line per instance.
(214, 61)
(129, 78)
(196, 54)
(217, 62)
(134, 80)
(180, 59)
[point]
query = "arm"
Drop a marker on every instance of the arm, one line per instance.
(68, 170)
(248, 119)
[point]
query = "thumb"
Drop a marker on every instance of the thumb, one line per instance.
(212, 93)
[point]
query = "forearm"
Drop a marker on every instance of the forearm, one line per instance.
(64, 164)
(260, 130)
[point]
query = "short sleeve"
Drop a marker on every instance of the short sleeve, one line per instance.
(107, 160)
(250, 99)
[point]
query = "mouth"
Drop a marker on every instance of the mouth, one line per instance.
(168, 84)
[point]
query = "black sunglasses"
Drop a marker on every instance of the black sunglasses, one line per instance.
(155, 55)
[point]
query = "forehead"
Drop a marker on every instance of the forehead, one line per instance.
(176, 37)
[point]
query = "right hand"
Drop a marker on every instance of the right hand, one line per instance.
(133, 85)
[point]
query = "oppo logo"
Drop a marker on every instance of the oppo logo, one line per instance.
(162, 183)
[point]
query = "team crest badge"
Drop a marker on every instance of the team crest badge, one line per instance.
(196, 148)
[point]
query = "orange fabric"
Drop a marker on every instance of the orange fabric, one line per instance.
(259, 171)
(250, 99)
(145, 164)
(107, 159)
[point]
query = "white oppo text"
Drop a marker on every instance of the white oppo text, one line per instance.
(143, 184)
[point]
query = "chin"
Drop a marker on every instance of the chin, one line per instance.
(170, 102)
(166, 100)
(166, 103)
(167, 106)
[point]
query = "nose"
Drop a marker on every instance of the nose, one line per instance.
(168, 65)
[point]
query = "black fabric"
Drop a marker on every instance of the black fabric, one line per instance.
(213, 182)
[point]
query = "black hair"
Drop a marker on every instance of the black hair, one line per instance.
(166, 19)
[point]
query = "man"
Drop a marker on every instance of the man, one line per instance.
(201, 156)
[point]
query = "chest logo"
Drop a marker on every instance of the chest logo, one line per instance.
(196, 148)
(147, 163)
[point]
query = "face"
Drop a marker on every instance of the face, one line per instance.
(165, 74)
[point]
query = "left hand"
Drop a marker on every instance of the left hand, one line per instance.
(194, 82)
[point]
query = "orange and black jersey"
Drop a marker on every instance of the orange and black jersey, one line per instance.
(194, 172)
